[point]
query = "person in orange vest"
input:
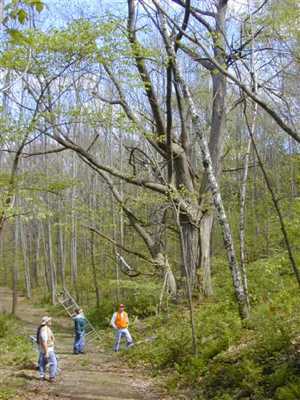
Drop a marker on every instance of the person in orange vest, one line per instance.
(120, 322)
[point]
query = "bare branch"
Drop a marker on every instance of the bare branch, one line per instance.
(137, 254)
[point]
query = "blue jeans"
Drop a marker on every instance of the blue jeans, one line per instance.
(52, 360)
(119, 334)
(79, 342)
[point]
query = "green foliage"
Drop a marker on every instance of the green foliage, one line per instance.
(15, 349)
(80, 41)
(18, 9)
(290, 391)
(140, 299)
(255, 359)
(5, 326)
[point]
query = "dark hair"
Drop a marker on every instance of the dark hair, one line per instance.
(77, 310)
(38, 334)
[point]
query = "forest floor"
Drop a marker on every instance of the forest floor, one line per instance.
(97, 375)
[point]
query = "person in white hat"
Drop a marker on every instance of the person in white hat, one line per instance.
(45, 340)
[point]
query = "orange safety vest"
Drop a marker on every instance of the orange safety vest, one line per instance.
(121, 320)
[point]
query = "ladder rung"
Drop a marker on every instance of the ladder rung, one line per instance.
(94, 334)
(92, 338)
(66, 302)
(90, 333)
(69, 307)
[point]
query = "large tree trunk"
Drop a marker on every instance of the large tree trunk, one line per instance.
(216, 144)
(213, 184)
(190, 237)
(188, 221)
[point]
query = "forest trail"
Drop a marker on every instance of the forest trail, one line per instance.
(96, 375)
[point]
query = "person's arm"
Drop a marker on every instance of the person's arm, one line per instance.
(113, 320)
(77, 325)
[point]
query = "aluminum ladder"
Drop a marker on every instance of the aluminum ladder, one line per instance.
(69, 304)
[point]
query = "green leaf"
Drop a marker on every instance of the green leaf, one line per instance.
(22, 16)
(39, 6)
(16, 35)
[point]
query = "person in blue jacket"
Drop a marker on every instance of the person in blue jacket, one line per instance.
(79, 329)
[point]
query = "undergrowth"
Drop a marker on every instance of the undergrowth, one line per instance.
(16, 352)
(16, 349)
(257, 359)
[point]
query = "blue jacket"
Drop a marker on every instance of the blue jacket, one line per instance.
(79, 323)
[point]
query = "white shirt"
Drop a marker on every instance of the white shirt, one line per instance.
(45, 335)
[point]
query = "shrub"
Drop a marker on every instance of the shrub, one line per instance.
(291, 391)
(4, 325)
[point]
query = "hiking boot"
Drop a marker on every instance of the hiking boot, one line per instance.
(52, 380)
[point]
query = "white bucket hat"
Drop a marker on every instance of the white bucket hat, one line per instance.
(45, 320)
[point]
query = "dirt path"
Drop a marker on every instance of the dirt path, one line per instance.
(96, 375)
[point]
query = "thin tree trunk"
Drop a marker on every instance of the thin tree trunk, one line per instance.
(51, 264)
(93, 205)
(27, 276)
(74, 265)
(62, 256)
(15, 268)
(242, 215)
(246, 165)
(45, 259)
(36, 246)
(95, 278)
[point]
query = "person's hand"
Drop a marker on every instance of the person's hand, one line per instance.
(46, 358)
